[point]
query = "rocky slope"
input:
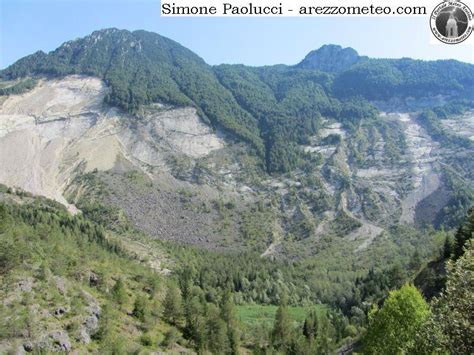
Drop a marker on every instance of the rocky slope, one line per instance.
(233, 156)
(54, 134)
(62, 128)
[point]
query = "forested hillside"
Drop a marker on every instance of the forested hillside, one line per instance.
(69, 284)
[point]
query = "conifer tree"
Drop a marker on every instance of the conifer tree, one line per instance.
(454, 309)
(172, 305)
(282, 332)
(119, 293)
(230, 319)
(463, 234)
(216, 332)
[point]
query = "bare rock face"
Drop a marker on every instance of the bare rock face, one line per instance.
(60, 341)
(462, 126)
(182, 131)
(90, 321)
(423, 153)
(62, 127)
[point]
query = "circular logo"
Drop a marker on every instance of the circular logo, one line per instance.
(452, 22)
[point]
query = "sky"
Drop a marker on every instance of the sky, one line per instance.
(30, 25)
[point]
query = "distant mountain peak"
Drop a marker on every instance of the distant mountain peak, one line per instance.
(330, 58)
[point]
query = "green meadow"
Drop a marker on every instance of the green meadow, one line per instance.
(251, 315)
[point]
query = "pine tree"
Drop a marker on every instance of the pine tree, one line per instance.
(185, 283)
(105, 323)
(196, 323)
(172, 305)
(447, 248)
(141, 308)
(281, 335)
(463, 234)
(119, 293)
(216, 332)
(453, 310)
(310, 326)
(230, 319)
(324, 339)
(415, 261)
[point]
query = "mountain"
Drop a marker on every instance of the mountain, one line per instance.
(331, 58)
(142, 67)
(363, 145)
(328, 182)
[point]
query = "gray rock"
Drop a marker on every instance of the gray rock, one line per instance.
(83, 336)
(60, 285)
(60, 341)
(94, 309)
(25, 285)
(28, 346)
(94, 279)
(91, 324)
(88, 297)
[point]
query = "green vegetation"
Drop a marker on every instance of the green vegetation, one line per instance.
(288, 104)
(393, 328)
(431, 122)
(71, 271)
(329, 270)
(253, 315)
(385, 78)
(69, 266)
(257, 227)
(453, 310)
(76, 282)
(453, 108)
(74, 269)
(446, 326)
(343, 224)
(17, 87)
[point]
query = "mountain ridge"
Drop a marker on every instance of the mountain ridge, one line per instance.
(330, 48)
(142, 68)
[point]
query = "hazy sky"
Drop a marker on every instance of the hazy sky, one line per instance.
(30, 25)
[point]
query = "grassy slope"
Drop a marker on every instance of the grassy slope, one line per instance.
(258, 315)
(47, 260)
